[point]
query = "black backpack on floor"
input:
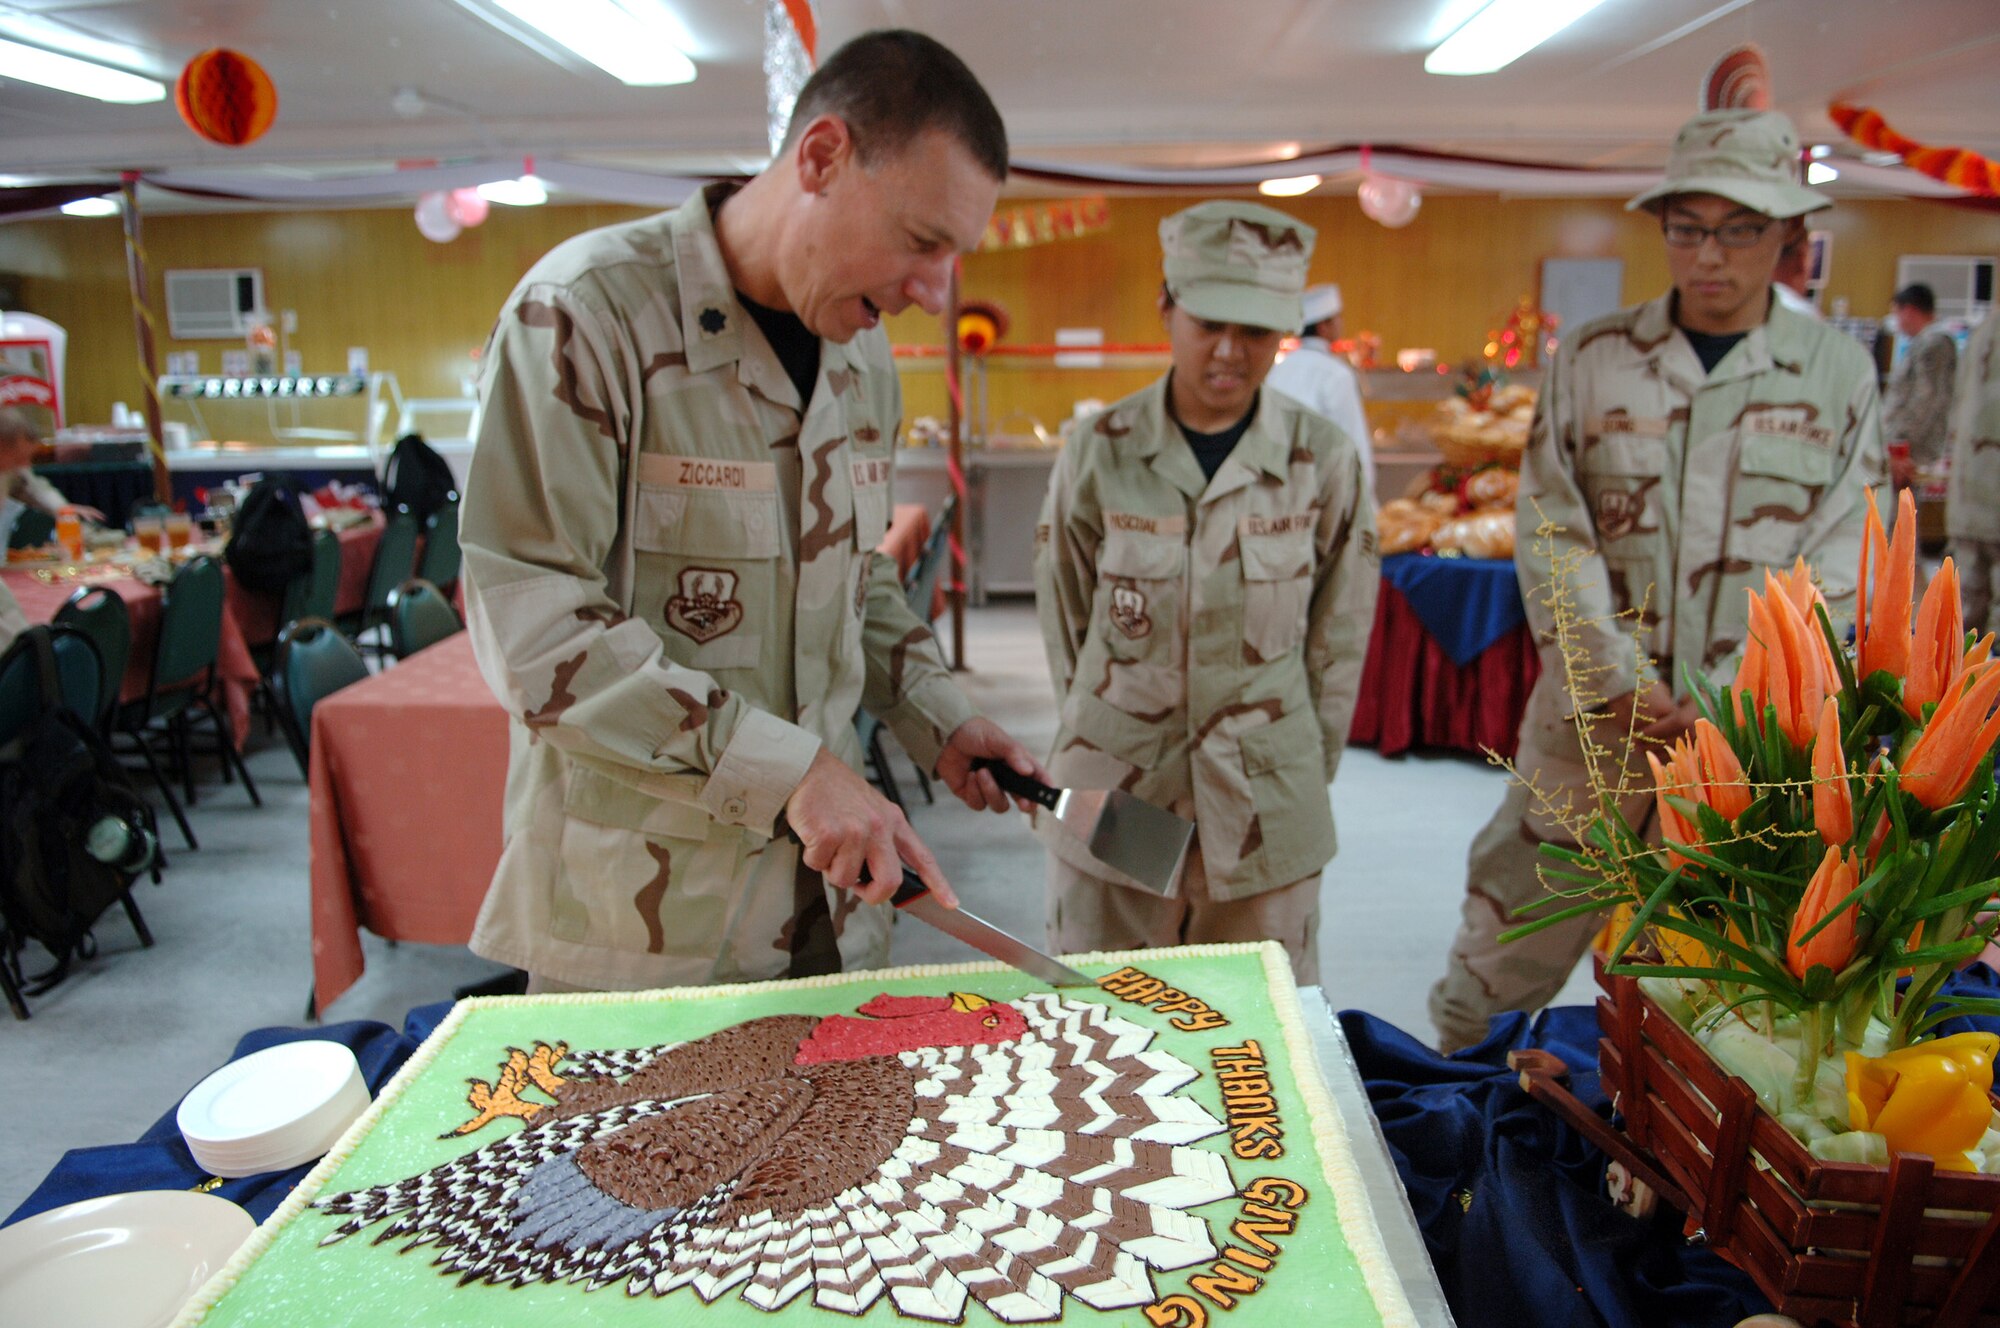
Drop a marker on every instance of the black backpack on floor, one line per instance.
(58, 783)
(418, 478)
(270, 540)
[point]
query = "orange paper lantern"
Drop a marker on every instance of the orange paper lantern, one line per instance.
(226, 97)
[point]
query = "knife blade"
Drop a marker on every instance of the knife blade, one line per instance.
(1124, 832)
(914, 898)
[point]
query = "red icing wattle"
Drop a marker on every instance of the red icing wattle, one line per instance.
(842, 1037)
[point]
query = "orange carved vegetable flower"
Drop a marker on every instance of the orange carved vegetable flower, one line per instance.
(1938, 659)
(1930, 1097)
(1833, 802)
(1958, 737)
(1882, 624)
(1836, 878)
(1786, 662)
(1700, 768)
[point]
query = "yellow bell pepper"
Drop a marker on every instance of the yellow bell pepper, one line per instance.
(1930, 1097)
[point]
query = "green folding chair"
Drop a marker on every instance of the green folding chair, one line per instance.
(182, 687)
(101, 615)
(419, 616)
(314, 662)
(395, 559)
(440, 559)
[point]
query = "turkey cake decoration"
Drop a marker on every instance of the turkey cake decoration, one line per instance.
(943, 1145)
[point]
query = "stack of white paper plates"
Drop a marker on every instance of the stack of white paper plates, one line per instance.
(123, 1261)
(273, 1109)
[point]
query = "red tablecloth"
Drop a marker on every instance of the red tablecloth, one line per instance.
(1412, 695)
(41, 599)
(407, 773)
(256, 611)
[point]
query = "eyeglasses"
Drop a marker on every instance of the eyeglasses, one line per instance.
(1730, 234)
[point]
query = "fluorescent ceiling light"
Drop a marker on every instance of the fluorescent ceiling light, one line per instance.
(91, 207)
(524, 192)
(66, 73)
(1502, 33)
(1290, 186)
(608, 35)
(1821, 173)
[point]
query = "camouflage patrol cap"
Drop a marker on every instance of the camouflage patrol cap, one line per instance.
(1748, 157)
(1237, 262)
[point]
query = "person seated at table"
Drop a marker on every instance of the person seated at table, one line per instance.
(1205, 573)
(20, 486)
(1681, 448)
(683, 470)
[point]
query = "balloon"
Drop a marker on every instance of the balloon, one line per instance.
(1388, 200)
(226, 97)
(466, 207)
(434, 219)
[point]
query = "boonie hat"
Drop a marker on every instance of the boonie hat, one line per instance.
(1237, 262)
(1321, 303)
(1748, 157)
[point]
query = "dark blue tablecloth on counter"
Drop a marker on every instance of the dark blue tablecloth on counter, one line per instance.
(160, 1159)
(1466, 604)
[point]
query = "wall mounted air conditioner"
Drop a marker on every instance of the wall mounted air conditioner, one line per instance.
(1963, 286)
(210, 302)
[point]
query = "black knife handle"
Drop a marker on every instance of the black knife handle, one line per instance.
(911, 889)
(1013, 781)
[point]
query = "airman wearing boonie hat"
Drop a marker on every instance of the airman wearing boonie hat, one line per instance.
(1681, 448)
(1205, 571)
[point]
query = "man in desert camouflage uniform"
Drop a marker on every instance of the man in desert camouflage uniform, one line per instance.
(1972, 505)
(682, 472)
(1205, 570)
(1681, 448)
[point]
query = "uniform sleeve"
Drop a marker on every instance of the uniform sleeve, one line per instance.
(906, 685)
(1347, 577)
(539, 526)
(1065, 570)
(1557, 556)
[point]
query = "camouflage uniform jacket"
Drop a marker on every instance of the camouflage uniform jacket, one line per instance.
(1673, 491)
(1917, 405)
(1206, 637)
(673, 590)
(1972, 509)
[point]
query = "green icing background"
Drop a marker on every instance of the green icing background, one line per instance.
(301, 1285)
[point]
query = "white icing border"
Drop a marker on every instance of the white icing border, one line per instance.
(1356, 1215)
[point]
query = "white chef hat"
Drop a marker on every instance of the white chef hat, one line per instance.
(1321, 303)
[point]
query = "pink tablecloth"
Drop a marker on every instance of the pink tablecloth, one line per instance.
(407, 773)
(41, 599)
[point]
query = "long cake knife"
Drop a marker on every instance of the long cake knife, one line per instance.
(914, 898)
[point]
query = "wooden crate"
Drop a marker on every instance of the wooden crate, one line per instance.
(1826, 1241)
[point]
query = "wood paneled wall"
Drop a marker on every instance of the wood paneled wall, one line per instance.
(366, 278)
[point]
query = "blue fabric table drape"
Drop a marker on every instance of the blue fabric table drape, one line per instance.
(1466, 604)
(160, 1160)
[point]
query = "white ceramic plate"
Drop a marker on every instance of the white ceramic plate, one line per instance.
(123, 1261)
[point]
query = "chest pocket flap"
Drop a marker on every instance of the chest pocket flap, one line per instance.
(1143, 555)
(1281, 556)
(1624, 454)
(712, 523)
(1783, 458)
